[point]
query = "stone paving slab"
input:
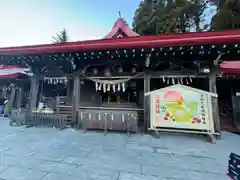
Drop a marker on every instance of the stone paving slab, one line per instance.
(21, 174)
(130, 176)
(50, 154)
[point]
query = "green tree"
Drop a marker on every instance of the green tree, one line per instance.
(227, 15)
(60, 37)
(142, 18)
(189, 14)
(169, 16)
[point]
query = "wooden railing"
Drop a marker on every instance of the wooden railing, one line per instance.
(18, 117)
(102, 118)
(46, 119)
(29, 119)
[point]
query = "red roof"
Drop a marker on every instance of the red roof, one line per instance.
(155, 41)
(230, 67)
(122, 26)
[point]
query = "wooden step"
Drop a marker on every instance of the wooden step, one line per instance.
(64, 109)
(66, 112)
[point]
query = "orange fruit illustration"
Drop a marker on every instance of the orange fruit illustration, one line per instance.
(173, 96)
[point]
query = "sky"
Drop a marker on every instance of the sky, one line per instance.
(30, 22)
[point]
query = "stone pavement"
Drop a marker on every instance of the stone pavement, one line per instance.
(50, 154)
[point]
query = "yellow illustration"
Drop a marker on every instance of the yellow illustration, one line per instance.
(180, 114)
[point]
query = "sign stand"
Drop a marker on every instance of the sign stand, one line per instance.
(180, 108)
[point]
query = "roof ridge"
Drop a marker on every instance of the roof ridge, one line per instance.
(121, 24)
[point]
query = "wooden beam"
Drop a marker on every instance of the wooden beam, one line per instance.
(213, 89)
(75, 98)
(147, 79)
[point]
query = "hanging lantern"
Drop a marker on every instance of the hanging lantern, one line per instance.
(205, 70)
(134, 70)
(95, 71)
(133, 84)
(147, 61)
(120, 70)
(83, 71)
(107, 72)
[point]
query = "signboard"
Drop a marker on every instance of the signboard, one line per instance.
(179, 107)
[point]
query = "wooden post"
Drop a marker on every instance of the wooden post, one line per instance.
(57, 105)
(4, 93)
(19, 98)
(213, 89)
(147, 79)
(33, 93)
(233, 96)
(75, 98)
(11, 100)
(69, 89)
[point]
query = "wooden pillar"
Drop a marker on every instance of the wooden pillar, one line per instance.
(33, 93)
(147, 80)
(4, 93)
(213, 89)
(11, 100)
(57, 105)
(19, 98)
(69, 88)
(234, 102)
(75, 98)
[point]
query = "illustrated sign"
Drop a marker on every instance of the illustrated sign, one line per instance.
(180, 108)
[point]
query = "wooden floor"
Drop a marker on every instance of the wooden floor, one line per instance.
(226, 125)
(231, 129)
